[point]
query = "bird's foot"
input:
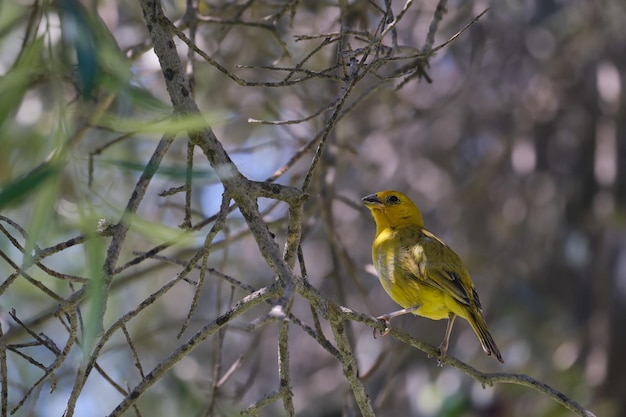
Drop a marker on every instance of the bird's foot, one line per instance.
(441, 361)
(441, 358)
(387, 321)
(386, 318)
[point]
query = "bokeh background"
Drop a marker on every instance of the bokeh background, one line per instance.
(515, 152)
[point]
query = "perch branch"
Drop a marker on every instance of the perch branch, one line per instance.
(333, 313)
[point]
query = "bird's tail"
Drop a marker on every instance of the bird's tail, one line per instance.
(479, 326)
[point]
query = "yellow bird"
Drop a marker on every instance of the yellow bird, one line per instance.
(420, 272)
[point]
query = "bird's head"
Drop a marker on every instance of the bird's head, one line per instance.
(392, 208)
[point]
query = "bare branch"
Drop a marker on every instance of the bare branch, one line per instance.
(166, 364)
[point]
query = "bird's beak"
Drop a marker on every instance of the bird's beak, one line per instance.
(372, 201)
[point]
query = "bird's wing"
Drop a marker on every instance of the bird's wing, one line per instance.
(435, 264)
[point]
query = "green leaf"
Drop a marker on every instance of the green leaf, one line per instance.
(158, 232)
(21, 188)
(15, 82)
(173, 172)
(80, 32)
(169, 124)
(94, 313)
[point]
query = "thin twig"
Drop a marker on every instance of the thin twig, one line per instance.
(235, 365)
(86, 368)
(313, 115)
(460, 32)
(283, 368)
(253, 409)
(117, 387)
(133, 351)
(329, 128)
(397, 19)
(350, 368)
(4, 387)
(35, 282)
(206, 250)
(167, 363)
(59, 360)
(188, 187)
(440, 11)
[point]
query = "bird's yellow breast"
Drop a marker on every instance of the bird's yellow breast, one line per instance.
(390, 254)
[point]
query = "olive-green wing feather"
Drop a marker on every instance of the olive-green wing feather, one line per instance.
(436, 265)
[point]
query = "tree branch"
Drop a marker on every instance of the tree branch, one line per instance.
(336, 314)
(182, 351)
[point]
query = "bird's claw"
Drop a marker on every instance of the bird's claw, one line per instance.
(385, 332)
(441, 358)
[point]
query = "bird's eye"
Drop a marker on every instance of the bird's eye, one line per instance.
(393, 199)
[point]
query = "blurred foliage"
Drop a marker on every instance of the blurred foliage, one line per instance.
(516, 153)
